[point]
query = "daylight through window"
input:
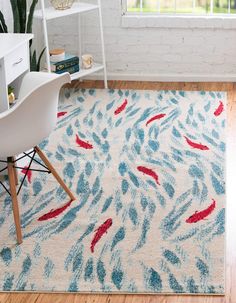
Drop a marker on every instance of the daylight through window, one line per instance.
(182, 6)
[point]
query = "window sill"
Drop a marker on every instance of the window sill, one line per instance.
(178, 21)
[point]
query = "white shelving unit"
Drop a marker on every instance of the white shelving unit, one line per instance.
(49, 13)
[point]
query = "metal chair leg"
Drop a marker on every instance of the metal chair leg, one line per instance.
(53, 171)
(15, 208)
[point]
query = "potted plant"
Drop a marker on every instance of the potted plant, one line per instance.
(11, 96)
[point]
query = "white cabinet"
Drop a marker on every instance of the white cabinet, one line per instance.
(17, 62)
(14, 63)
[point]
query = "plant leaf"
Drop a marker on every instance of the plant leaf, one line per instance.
(33, 62)
(3, 26)
(30, 16)
(22, 8)
(39, 59)
(16, 17)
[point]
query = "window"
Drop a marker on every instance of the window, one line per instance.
(197, 7)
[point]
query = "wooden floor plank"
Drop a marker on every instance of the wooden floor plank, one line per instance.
(231, 211)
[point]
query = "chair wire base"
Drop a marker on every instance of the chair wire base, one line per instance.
(32, 159)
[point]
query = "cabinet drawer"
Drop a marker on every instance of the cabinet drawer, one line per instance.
(16, 62)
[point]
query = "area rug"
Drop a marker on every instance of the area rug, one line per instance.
(148, 172)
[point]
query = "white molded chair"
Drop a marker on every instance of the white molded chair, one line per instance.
(26, 124)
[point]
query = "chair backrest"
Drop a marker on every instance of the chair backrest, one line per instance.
(34, 116)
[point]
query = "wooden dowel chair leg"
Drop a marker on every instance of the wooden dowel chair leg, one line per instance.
(53, 171)
(16, 175)
(15, 207)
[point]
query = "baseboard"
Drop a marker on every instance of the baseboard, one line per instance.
(167, 77)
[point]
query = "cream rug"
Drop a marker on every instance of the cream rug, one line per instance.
(148, 171)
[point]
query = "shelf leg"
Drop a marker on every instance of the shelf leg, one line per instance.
(103, 46)
(80, 42)
(79, 37)
(45, 32)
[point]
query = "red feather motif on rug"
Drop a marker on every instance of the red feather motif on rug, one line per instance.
(196, 145)
(61, 114)
(219, 109)
(121, 108)
(28, 174)
(102, 229)
(198, 216)
(157, 117)
(149, 172)
(82, 143)
(54, 212)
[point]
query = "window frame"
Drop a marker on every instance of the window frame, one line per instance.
(176, 20)
(211, 14)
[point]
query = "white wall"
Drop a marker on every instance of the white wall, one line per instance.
(153, 53)
(5, 7)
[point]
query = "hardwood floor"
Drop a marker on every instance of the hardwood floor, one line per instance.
(231, 213)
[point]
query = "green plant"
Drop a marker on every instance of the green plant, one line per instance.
(10, 90)
(23, 24)
(34, 63)
(3, 26)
